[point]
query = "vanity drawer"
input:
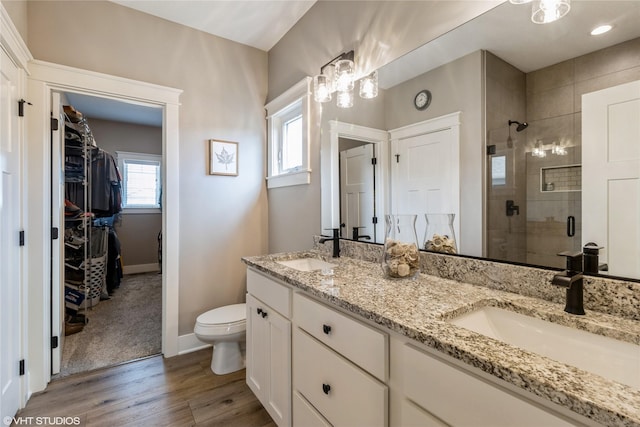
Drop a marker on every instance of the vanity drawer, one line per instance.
(344, 394)
(338, 331)
(270, 292)
(458, 397)
(305, 415)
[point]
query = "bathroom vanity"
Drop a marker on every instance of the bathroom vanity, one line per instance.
(351, 348)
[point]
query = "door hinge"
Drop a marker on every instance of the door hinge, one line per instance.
(21, 107)
(397, 158)
(21, 237)
(22, 371)
(54, 233)
(54, 124)
(374, 219)
(491, 150)
(374, 161)
(54, 342)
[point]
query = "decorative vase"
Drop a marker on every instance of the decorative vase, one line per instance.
(439, 236)
(400, 257)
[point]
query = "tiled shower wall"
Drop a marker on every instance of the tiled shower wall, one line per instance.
(553, 100)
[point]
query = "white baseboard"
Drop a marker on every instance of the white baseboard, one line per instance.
(140, 268)
(189, 343)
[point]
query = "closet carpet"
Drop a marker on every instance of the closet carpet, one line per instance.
(126, 327)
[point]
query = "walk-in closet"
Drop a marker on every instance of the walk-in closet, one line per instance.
(111, 161)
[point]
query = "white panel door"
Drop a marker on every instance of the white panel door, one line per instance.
(57, 220)
(10, 200)
(611, 176)
(425, 177)
(357, 195)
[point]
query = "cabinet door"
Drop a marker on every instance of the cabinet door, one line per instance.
(269, 359)
(257, 348)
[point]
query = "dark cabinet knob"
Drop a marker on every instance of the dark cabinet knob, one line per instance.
(326, 329)
(326, 388)
(259, 310)
(263, 314)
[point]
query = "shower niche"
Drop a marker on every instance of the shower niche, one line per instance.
(561, 178)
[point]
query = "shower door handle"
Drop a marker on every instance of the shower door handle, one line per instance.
(571, 226)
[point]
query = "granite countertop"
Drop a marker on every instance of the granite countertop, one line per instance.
(419, 309)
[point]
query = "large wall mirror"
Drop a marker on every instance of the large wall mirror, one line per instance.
(548, 131)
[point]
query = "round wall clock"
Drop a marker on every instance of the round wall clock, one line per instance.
(422, 99)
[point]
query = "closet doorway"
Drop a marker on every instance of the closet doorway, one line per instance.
(106, 193)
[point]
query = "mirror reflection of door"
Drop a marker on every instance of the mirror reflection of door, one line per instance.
(357, 189)
(424, 169)
(611, 176)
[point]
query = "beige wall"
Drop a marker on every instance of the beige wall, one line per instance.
(379, 32)
(225, 87)
(138, 233)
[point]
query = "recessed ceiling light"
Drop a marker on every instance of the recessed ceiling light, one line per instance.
(601, 30)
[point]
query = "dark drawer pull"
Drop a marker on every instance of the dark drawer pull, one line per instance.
(326, 329)
(259, 310)
(263, 314)
(326, 388)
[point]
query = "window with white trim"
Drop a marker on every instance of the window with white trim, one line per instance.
(141, 181)
(288, 132)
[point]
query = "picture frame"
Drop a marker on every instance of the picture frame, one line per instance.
(223, 157)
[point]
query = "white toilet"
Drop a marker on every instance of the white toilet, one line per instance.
(225, 328)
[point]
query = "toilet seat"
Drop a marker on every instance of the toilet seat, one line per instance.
(225, 320)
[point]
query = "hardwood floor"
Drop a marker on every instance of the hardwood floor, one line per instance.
(180, 391)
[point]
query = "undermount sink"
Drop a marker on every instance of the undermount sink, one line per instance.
(307, 264)
(607, 357)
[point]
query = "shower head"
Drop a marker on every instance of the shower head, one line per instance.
(521, 126)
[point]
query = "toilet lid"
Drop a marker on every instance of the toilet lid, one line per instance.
(227, 314)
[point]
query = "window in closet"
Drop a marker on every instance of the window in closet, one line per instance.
(141, 181)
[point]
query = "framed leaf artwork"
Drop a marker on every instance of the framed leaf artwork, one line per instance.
(223, 157)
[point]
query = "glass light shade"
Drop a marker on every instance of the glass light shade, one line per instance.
(321, 88)
(369, 86)
(344, 75)
(345, 99)
(546, 11)
(538, 151)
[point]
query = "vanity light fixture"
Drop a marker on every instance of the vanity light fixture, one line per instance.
(547, 11)
(601, 30)
(338, 75)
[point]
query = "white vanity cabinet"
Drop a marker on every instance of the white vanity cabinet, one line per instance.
(339, 368)
(268, 357)
(432, 390)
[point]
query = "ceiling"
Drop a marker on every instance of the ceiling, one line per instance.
(258, 23)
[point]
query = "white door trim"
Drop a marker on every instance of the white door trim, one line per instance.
(47, 77)
(330, 185)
